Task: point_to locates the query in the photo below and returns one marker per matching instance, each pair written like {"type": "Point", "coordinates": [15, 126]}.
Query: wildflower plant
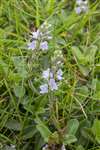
{"type": "Point", "coordinates": [39, 41]}
{"type": "Point", "coordinates": [49, 75]}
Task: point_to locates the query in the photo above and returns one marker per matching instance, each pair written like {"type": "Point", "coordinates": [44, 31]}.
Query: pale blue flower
{"type": "Point", "coordinates": [53, 85]}
{"type": "Point", "coordinates": [44, 45]}
{"type": "Point", "coordinates": [32, 45]}
{"type": "Point", "coordinates": [59, 74]}
{"type": "Point", "coordinates": [36, 35]}
{"type": "Point", "coordinates": [46, 74]}
{"type": "Point", "coordinates": [44, 89]}
{"type": "Point", "coordinates": [51, 74]}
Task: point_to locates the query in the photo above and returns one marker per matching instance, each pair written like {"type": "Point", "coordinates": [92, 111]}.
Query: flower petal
{"type": "Point", "coordinates": [59, 74]}
{"type": "Point", "coordinates": [32, 45]}
{"type": "Point", "coordinates": [44, 89]}
{"type": "Point", "coordinates": [53, 85]}
{"type": "Point", "coordinates": [44, 45]}
{"type": "Point", "coordinates": [46, 74]}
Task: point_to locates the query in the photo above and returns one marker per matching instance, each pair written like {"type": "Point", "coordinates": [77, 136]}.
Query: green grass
{"type": "Point", "coordinates": [70, 115]}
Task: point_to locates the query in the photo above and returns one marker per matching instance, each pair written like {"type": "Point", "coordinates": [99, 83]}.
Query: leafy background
{"type": "Point", "coordinates": [70, 116]}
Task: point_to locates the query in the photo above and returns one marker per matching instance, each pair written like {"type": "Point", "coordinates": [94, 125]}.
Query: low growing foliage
{"type": "Point", "coordinates": [49, 75]}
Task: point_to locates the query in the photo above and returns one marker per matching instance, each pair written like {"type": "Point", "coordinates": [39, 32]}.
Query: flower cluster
{"type": "Point", "coordinates": [49, 77]}
{"type": "Point", "coordinates": [81, 6]}
{"type": "Point", "coordinates": [40, 38]}
{"type": "Point", "coordinates": [57, 59]}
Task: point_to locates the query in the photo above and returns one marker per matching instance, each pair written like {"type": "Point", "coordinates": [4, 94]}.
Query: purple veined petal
{"type": "Point", "coordinates": [78, 10]}
{"type": "Point", "coordinates": [53, 85]}
{"type": "Point", "coordinates": [59, 74]}
{"type": "Point", "coordinates": [32, 45]}
{"type": "Point", "coordinates": [46, 74]}
{"type": "Point", "coordinates": [44, 45]}
{"type": "Point", "coordinates": [44, 89]}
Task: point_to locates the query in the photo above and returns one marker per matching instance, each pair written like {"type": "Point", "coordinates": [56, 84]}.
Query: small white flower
{"type": "Point", "coordinates": [63, 147]}
{"type": "Point", "coordinates": [45, 147]}
{"type": "Point", "coordinates": [59, 62]}
{"type": "Point", "coordinates": [49, 37]}
{"type": "Point", "coordinates": [44, 45]}
{"type": "Point", "coordinates": [32, 45]}
{"type": "Point", "coordinates": [59, 74]}
{"type": "Point", "coordinates": [49, 25]}
{"type": "Point", "coordinates": [13, 146]}
{"type": "Point", "coordinates": [44, 89]}
{"type": "Point", "coordinates": [85, 2]}
{"type": "Point", "coordinates": [53, 85]}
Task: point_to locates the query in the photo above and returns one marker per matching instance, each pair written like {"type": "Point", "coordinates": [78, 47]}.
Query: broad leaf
{"type": "Point", "coordinates": [80, 147]}
{"type": "Point", "coordinates": [29, 132]}
{"type": "Point", "coordinates": [78, 54]}
{"type": "Point", "coordinates": [43, 129]}
{"type": "Point", "coordinates": [96, 130]}
{"type": "Point", "coordinates": [19, 91]}
{"type": "Point", "coordinates": [13, 124]}
{"type": "Point", "coordinates": [72, 126]}
{"type": "Point", "coordinates": [68, 139]}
